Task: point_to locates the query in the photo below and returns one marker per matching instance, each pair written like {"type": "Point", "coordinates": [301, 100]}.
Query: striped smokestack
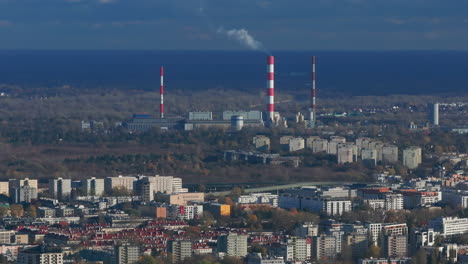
{"type": "Point", "coordinates": [161, 92]}
{"type": "Point", "coordinates": [270, 87]}
{"type": "Point", "coordinates": [314, 112]}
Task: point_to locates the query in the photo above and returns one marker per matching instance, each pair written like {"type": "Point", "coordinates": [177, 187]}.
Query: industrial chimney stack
{"type": "Point", "coordinates": [313, 110]}
{"type": "Point", "coordinates": [161, 92]}
{"type": "Point", "coordinates": [270, 88]}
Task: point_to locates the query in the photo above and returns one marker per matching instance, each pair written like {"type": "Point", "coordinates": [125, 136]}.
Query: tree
{"type": "Point", "coordinates": [16, 210]}
{"type": "Point", "coordinates": [3, 211]}
{"type": "Point", "coordinates": [373, 252]}
{"type": "Point", "coordinates": [31, 211]}
{"type": "Point", "coordinates": [420, 257]}
{"type": "Point", "coordinates": [231, 260]}
{"type": "Point", "coordinates": [147, 260]}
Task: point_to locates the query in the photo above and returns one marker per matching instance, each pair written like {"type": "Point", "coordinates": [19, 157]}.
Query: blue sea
{"type": "Point", "coordinates": [338, 72]}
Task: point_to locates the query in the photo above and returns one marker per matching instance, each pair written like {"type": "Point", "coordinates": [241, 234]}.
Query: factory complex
{"type": "Point", "coordinates": [232, 120]}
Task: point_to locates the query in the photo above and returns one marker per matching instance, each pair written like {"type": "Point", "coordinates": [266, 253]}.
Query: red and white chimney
{"type": "Point", "coordinates": [161, 92]}
{"type": "Point", "coordinates": [270, 88]}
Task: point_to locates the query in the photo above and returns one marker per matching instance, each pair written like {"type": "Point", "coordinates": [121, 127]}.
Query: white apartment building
{"type": "Point", "coordinates": [93, 186]}
{"type": "Point", "coordinates": [60, 188]}
{"type": "Point", "coordinates": [259, 198]}
{"type": "Point", "coordinates": [184, 212]}
{"type": "Point", "coordinates": [375, 204]}
{"type": "Point", "coordinates": [17, 183]}
{"type": "Point", "coordinates": [298, 249]}
{"type": "Point", "coordinates": [166, 184]}
{"type": "Point", "coordinates": [448, 226]}
{"type": "Point", "coordinates": [296, 144]}
{"type": "Point", "coordinates": [393, 201]}
{"type": "Point", "coordinates": [412, 157]}
{"type": "Point", "coordinates": [119, 182]}
{"type": "Point", "coordinates": [390, 154]}
{"type": "Point", "coordinates": [374, 231]}
{"type": "Point", "coordinates": [36, 256]}
{"type": "Point", "coordinates": [319, 145]}
{"type": "Point", "coordinates": [333, 144]}
{"type": "Point", "coordinates": [369, 155]}
{"type": "Point", "coordinates": [345, 154]}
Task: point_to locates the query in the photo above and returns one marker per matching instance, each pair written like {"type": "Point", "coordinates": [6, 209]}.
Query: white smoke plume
{"type": "Point", "coordinates": [242, 36]}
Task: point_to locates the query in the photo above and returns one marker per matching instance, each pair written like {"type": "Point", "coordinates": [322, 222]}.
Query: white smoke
{"type": "Point", "coordinates": [242, 36]}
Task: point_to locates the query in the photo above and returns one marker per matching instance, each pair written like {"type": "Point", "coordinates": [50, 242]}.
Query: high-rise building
{"type": "Point", "coordinates": [298, 249]}
{"type": "Point", "coordinates": [93, 186]}
{"type": "Point", "coordinates": [22, 194]}
{"type": "Point", "coordinates": [345, 154]}
{"type": "Point", "coordinates": [369, 156]}
{"type": "Point", "coordinates": [126, 254]}
{"type": "Point", "coordinates": [395, 246]}
{"type": "Point", "coordinates": [125, 182]}
{"type": "Point", "coordinates": [333, 144]}
{"type": "Point", "coordinates": [390, 154]}
{"type": "Point", "coordinates": [393, 201]}
{"type": "Point", "coordinates": [179, 249]}
{"type": "Point", "coordinates": [16, 183]}
{"type": "Point", "coordinates": [40, 255]}
{"type": "Point", "coordinates": [326, 247]}
{"type": "Point", "coordinates": [233, 245]}
{"type": "Point", "coordinates": [319, 145]}
{"type": "Point", "coordinates": [60, 188]}
{"type": "Point", "coordinates": [160, 184]}
{"type": "Point", "coordinates": [394, 240]}
{"type": "Point", "coordinates": [412, 157]}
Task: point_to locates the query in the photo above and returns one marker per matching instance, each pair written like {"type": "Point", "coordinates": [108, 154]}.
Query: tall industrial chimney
{"type": "Point", "coordinates": [161, 92]}
{"type": "Point", "coordinates": [313, 110]}
{"type": "Point", "coordinates": [435, 115]}
{"type": "Point", "coordinates": [270, 88]}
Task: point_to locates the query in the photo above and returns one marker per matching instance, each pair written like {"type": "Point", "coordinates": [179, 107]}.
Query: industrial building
{"type": "Point", "coordinates": [233, 120]}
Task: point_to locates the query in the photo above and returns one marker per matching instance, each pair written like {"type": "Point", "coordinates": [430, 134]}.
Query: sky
{"type": "Point", "coordinates": [234, 24]}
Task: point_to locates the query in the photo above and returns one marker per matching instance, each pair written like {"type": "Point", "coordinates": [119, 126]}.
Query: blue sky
{"type": "Point", "coordinates": [203, 24]}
